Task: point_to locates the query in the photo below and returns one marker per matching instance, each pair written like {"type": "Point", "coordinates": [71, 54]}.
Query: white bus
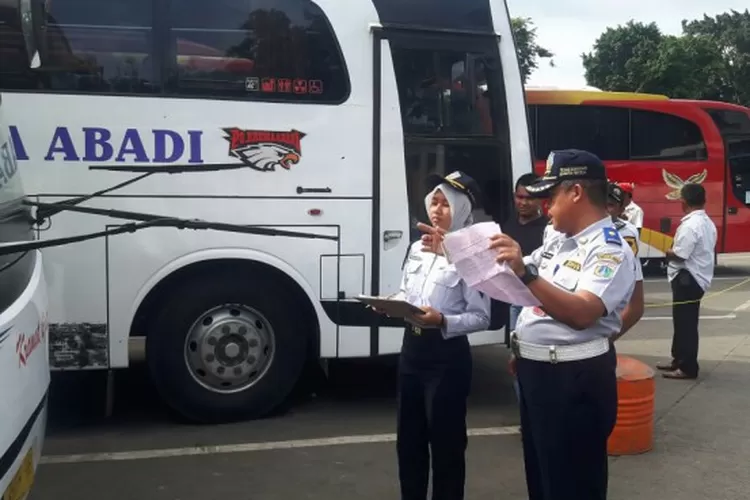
{"type": "Point", "coordinates": [324, 115]}
{"type": "Point", "coordinates": [24, 358]}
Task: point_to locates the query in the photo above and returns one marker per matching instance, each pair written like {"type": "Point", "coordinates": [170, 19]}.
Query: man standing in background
{"type": "Point", "coordinates": [633, 213]}
{"type": "Point", "coordinates": [526, 226]}
{"type": "Point", "coordinates": [690, 272]}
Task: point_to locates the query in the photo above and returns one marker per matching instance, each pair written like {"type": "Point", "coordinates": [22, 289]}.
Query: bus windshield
{"type": "Point", "coordinates": [10, 182]}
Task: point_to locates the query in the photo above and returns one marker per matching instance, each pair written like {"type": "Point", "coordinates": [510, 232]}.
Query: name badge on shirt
{"type": "Point", "coordinates": [576, 266]}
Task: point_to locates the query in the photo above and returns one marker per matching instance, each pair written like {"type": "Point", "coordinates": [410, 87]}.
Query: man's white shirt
{"type": "Point", "coordinates": [634, 214]}
{"type": "Point", "coordinates": [695, 242]}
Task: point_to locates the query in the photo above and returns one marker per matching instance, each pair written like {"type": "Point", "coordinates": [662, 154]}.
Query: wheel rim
{"type": "Point", "coordinates": [229, 348]}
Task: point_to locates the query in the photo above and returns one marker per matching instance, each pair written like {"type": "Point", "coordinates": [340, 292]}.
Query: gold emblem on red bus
{"type": "Point", "coordinates": [675, 182]}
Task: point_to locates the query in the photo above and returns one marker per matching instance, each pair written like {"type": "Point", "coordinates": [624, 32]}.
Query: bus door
{"type": "Point", "coordinates": [737, 215]}
{"type": "Point", "coordinates": [439, 106]}
{"type": "Point", "coordinates": [734, 127]}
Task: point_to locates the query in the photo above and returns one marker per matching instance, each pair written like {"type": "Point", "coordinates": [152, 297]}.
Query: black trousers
{"type": "Point", "coordinates": [434, 383]}
{"type": "Point", "coordinates": [685, 318]}
{"type": "Point", "coordinates": [568, 411]}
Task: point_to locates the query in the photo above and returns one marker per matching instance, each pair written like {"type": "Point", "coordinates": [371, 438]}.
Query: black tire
{"type": "Point", "coordinates": [165, 345]}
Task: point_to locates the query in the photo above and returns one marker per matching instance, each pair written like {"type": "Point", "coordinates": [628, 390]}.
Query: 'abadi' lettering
{"type": "Point", "coordinates": [100, 146]}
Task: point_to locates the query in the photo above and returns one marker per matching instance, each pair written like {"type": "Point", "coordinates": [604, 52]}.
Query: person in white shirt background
{"type": "Point", "coordinates": [690, 271]}
{"type": "Point", "coordinates": [632, 213]}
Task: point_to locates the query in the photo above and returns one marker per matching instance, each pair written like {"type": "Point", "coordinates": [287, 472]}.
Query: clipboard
{"type": "Point", "coordinates": [393, 308]}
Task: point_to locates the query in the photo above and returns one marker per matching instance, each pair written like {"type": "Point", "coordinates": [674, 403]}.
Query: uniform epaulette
{"type": "Point", "coordinates": [612, 236]}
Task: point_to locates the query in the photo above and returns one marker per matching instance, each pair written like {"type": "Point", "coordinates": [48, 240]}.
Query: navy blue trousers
{"type": "Point", "coordinates": [568, 411]}
{"type": "Point", "coordinates": [434, 382]}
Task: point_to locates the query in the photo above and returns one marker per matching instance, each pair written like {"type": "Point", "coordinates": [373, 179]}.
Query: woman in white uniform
{"type": "Point", "coordinates": [435, 362]}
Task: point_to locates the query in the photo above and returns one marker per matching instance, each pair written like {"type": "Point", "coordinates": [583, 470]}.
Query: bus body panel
{"type": "Point", "coordinates": [657, 181]}
{"type": "Point", "coordinates": [343, 166]}
{"type": "Point", "coordinates": [25, 379]}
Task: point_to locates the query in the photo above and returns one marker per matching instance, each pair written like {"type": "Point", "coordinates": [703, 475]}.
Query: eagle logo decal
{"type": "Point", "coordinates": [265, 150]}
{"type": "Point", "coordinates": [675, 182]}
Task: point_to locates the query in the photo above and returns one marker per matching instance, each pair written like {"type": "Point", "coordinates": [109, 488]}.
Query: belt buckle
{"type": "Point", "coordinates": [514, 347]}
{"type": "Point", "coordinates": [417, 330]}
{"type": "Point", "coordinates": [553, 354]}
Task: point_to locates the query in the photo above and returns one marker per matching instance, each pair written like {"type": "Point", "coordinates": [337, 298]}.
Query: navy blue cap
{"type": "Point", "coordinates": [615, 193]}
{"type": "Point", "coordinates": [459, 181]}
{"type": "Point", "coordinates": [567, 165]}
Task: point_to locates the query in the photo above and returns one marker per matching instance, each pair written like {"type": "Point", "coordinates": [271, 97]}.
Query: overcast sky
{"type": "Point", "coordinates": [570, 27]}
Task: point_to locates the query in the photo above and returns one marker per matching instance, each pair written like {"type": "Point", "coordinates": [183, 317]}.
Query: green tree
{"type": "Point", "coordinates": [710, 60]}
{"type": "Point", "coordinates": [731, 33]}
{"type": "Point", "coordinates": [621, 56]}
{"type": "Point", "coordinates": [528, 50]}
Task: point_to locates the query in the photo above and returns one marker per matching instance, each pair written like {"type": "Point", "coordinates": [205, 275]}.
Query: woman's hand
{"type": "Point", "coordinates": [379, 311]}
{"type": "Point", "coordinates": [431, 318]}
{"type": "Point", "coordinates": [432, 239]}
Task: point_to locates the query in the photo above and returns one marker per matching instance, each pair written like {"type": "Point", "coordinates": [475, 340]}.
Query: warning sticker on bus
{"type": "Point", "coordinates": [265, 150]}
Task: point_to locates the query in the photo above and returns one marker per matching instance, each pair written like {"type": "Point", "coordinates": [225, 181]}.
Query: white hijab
{"type": "Point", "coordinates": [459, 203]}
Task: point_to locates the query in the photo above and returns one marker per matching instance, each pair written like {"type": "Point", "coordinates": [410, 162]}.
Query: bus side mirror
{"type": "Point", "coordinates": [665, 225]}
{"type": "Point", "coordinates": [34, 26]}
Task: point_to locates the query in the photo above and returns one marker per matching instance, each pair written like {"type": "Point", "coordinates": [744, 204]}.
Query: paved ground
{"type": "Point", "coordinates": [339, 443]}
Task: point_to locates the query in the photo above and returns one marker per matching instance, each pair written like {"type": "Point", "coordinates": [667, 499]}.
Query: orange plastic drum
{"type": "Point", "coordinates": [634, 430]}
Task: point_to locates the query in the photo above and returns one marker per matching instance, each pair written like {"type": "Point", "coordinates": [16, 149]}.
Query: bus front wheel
{"type": "Point", "coordinates": [226, 348]}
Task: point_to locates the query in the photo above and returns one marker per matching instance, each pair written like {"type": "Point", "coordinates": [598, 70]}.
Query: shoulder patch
{"type": "Point", "coordinates": [608, 257]}
{"type": "Point", "coordinates": [632, 243]}
{"type": "Point", "coordinates": [612, 236]}
{"type": "Point", "coordinates": [605, 271]}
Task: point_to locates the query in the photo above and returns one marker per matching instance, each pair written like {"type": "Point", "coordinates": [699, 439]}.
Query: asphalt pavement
{"type": "Point", "coordinates": [339, 441]}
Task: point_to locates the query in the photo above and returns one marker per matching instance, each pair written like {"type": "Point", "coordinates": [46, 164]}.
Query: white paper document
{"type": "Point", "coordinates": [468, 249]}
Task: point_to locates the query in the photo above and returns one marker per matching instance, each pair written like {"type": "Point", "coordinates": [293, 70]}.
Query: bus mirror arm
{"type": "Point", "coordinates": [147, 221]}
{"type": "Point", "coordinates": [43, 214]}
{"type": "Point", "coordinates": [51, 209]}
{"type": "Point", "coordinates": [132, 227]}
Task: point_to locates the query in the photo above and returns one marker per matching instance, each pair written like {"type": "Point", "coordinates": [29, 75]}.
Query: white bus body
{"type": "Point", "coordinates": [337, 110]}
{"type": "Point", "coordinates": [24, 349]}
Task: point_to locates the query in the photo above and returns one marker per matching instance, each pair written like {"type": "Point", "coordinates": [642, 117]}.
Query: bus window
{"type": "Point", "coordinates": [659, 136]}
{"type": "Point", "coordinates": [451, 117]}
{"type": "Point", "coordinates": [258, 49]}
{"type": "Point", "coordinates": [599, 129]}
{"type": "Point", "coordinates": [443, 92]}
{"type": "Point", "coordinates": [15, 72]}
{"type": "Point", "coordinates": [98, 47]}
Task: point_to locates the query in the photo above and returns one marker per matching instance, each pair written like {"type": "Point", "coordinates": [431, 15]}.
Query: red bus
{"type": "Point", "coordinates": [658, 144]}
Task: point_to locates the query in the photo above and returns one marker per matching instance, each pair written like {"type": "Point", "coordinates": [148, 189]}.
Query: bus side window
{"type": "Point", "coordinates": [257, 50]}
{"type": "Point", "coordinates": [600, 129]}
{"type": "Point", "coordinates": [659, 136]}
{"type": "Point", "coordinates": [94, 46]}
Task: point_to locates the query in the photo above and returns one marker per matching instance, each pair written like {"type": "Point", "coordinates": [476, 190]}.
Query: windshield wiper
{"type": "Point", "coordinates": [150, 221]}
{"type": "Point", "coordinates": [149, 171]}
{"type": "Point", "coordinates": [186, 223]}
{"type": "Point", "coordinates": [171, 169]}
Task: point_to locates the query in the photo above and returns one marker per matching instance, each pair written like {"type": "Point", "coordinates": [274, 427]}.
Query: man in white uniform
{"type": "Point", "coordinates": [690, 272]}
{"type": "Point", "coordinates": [633, 213]}
{"type": "Point", "coordinates": [615, 206]}
{"type": "Point", "coordinates": [564, 355]}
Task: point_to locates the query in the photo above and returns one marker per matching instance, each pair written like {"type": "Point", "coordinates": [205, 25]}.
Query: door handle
{"type": "Point", "coordinates": [301, 190]}
{"type": "Point", "coordinates": [732, 210]}
{"type": "Point", "coordinates": [392, 235]}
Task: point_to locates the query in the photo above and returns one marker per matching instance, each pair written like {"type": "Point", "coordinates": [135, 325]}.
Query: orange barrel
{"type": "Point", "coordinates": [634, 430]}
